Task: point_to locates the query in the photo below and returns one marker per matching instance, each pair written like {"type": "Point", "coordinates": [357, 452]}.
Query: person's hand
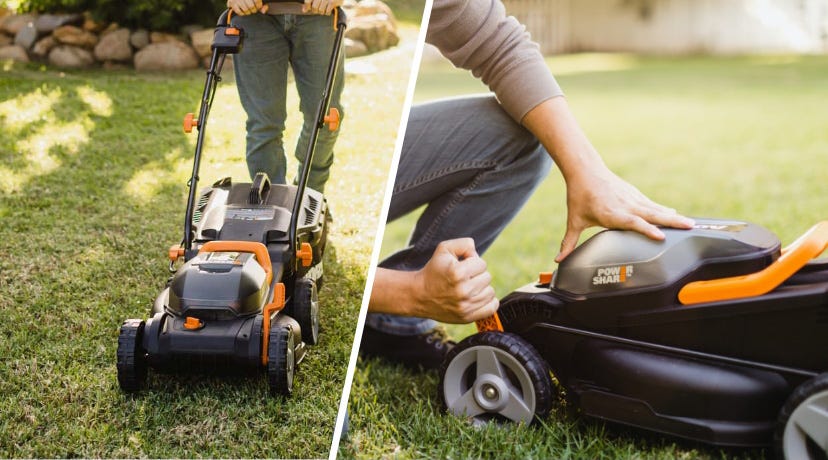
{"type": "Point", "coordinates": [245, 7]}
{"type": "Point", "coordinates": [320, 6]}
{"type": "Point", "coordinates": [594, 194]}
{"type": "Point", "coordinates": [454, 286]}
{"type": "Point", "coordinates": [599, 197]}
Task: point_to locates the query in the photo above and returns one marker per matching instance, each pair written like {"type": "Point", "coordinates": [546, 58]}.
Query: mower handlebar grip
{"type": "Point", "coordinates": [257, 249]}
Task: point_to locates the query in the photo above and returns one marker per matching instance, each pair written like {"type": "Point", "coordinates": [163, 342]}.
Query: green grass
{"type": "Point", "coordinates": [740, 138]}
{"type": "Point", "coordinates": [93, 172]}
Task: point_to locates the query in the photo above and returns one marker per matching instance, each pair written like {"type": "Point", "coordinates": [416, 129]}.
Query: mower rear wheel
{"type": "Point", "coordinates": [495, 376]}
{"type": "Point", "coordinates": [280, 361]}
{"type": "Point", "coordinates": [306, 309]}
{"type": "Point", "coordinates": [802, 428]}
{"type": "Point", "coordinates": [132, 358]}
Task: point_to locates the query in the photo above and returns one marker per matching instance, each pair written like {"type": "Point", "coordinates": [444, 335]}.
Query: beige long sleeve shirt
{"type": "Point", "coordinates": [477, 35]}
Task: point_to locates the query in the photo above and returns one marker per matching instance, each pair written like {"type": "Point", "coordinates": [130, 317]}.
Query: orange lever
{"type": "Point", "coordinates": [189, 122]}
{"type": "Point", "coordinates": [492, 323]}
{"type": "Point", "coordinates": [262, 256]}
{"type": "Point", "coordinates": [332, 119]}
{"type": "Point", "coordinates": [305, 254]}
{"type": "Point", "coordinates": [192, 323]}
{"type": "Point", "coordinates": [175, 252]}
{"type": "Point", "coordinates": [271, 308]}
{"type": "Point", "coordinates": [794, 257]}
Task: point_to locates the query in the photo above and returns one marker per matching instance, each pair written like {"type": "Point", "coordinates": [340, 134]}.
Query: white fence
{"type": "Point", "coordinates": [676, 26]}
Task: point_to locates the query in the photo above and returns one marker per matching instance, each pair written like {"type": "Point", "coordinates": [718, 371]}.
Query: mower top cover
{"type": "Point", "coordinates": [615, 261]}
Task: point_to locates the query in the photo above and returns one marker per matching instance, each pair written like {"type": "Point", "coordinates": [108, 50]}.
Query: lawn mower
{"type": "Point", "coordinates": [245, 297]}
{"type": "Point", "coordinates": [715, 334]}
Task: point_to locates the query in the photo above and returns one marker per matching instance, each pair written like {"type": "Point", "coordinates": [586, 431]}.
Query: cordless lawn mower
{"type": "Point", "coordinates": [715, 334]}
{"type": "Point", "coordinates": [245, 297]}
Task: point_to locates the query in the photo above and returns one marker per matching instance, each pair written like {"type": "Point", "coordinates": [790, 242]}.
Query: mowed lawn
{"type": "Point", "coordinates": [741, 138]}
{"type": "Point", "coordinates": [93, 173]}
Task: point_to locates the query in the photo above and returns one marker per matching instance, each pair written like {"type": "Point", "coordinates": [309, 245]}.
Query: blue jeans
{"type": "Point", "coordinates": [474, 167]}
{"type": "Point", "coordinates": [271, 45]}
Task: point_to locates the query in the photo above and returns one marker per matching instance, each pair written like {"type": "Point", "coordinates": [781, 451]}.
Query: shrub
{"type": "Point", "coordinates": [151, 14]}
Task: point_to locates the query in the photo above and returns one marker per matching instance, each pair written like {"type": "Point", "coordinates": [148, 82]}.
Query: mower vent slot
{"type": "Point", "coordinates": [310, 210]}
{"type": "Point", "coordinates": [202, 203]}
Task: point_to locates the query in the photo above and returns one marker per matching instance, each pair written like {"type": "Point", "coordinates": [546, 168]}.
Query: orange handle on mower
{"type": "Point", "coordinates": [793, 257]}
{"type": "Point", "coordinates": [258, 249]}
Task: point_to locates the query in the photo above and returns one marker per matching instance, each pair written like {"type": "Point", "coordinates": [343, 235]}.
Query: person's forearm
{"type": "Point", "coordinates": [393, 293]}
{"type": "Point", "coordinates": [556, 128]}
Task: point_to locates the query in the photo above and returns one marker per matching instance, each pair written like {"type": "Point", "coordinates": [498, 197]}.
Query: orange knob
{"type": "Point", "coordinates": [305, 254]}
{"type": "Point", "coordinates": [175, 252]}
{"type": "Point", "coordinates": [332, 119]}
{"type": "Point", "coordinates": [189, 122]}
{"type": "Point", "coordinates": [192, 324]}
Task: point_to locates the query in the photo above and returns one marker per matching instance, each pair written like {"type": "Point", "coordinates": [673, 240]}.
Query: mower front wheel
{"type": "Point", "coordinates": [495, 376]}
{"type": "Point", "coordinates": [132, 359]}
{"type": "Point", "coordinates": [802, 428]}
{"type": "Point", "coordinates": [280, 361]}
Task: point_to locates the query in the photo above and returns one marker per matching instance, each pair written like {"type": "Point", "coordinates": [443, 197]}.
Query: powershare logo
{"type": "Point", "coordinates": [612, 275]}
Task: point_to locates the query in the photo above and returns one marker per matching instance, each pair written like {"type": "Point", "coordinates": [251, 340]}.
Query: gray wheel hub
{"type": "Point", "coordinates": [499, 385]}
{"type": "Point", "coordinates": [808, 421]}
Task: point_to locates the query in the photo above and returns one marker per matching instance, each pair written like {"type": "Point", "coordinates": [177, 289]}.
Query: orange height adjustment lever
{"type": "Point", "coordinates": [793, 257]}
{"type": "Point", "coordinates": [332, 119]}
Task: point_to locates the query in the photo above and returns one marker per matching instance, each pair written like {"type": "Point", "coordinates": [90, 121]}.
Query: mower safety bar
{"type": "Point", "coordinates": [793, 258]}
{"type": "Point", "coordinates": [258, 249]}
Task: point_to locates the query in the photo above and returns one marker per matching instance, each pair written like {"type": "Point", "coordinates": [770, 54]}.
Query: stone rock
{"type": "Point", "coordinates": [12, 24]}
{"type": "Point", "coordinates": [91, 25]}
{"type": "Point", "coordinates": [188, 29]}
{"type": "Point", "coordinates": [162, 37]}
{"type": "Point", "coordinates": [43, 46]}
{"type": "Point", "coordinates": [139, 39]}
{"type": "Point", "coordinates": [202, 40]}
{"type": "Point", "coordinates": [371, 7]}
{"type": "Point", "coordinates": [377, 31]}
{"type": "Point", "coordinates": [71, 35]}
{"type": "Point", "coordinates": [71, 56]}
{"type": "Point", "coordinates": [26, 37]}
{"type": "Point", "coordinates": [13, 52]}
{"type": "Point", "coordinates": [173, 55]}
{"type": "Point", "coordinates": [110, 28]}
{"type": "Point", "coordinates": [354, 48]}
{"type": "Point", "coordinates": [46, 23]}
{"type": "Point", "coordinates": [5, 40]}
{"type": "Point", "coordinates": [114, 46]}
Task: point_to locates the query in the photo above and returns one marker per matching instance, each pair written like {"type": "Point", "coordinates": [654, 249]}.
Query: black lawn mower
{"type": "Point", "coordinates": [245, 298]}
{"type": "Point", "coordinates": [715, 334]}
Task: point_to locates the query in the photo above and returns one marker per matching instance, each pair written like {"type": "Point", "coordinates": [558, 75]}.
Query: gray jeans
{"type": "Point", "coordinates": [272, 44]}
{"type": "Point", "coordinates": [474, 167]}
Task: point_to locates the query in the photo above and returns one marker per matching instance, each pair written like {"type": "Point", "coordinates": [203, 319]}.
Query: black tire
{"type": "Point", "coordinates": [305, 310]}
{"type": "Point", "coordinates": [518, 388]}
{"type": "Point", "coordinates": [132, 358]}
{"type": "Point", "coordinates": [792, 443]}
{"type": "Point", "coordinates": [280, 361]}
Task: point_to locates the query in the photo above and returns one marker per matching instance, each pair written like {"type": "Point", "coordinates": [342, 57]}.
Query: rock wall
{"type": "Point", "coordinates": [77, 41]}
